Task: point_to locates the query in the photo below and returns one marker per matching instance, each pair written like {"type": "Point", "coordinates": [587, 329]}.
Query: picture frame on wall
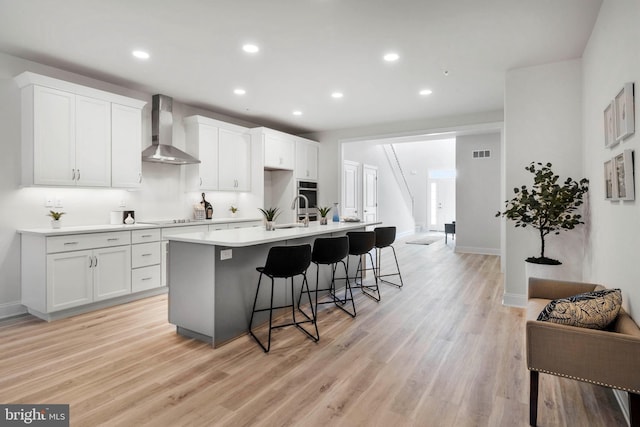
{"type": "Point", "coordinates": [623, 175]}
{"type": "Point", "coordinates": [624, 112]}
{"type": "Point", "coordinates": [609, 182]}
{"type": "Point", "coordinates": [610, 126]}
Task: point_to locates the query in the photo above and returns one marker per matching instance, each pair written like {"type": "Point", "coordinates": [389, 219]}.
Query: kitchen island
{"type": "Point", "coordinates": [212, 276]}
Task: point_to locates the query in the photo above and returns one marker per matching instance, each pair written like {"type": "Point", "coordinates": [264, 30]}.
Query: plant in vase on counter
{"type": "Point", "coordinates": [270, 216]}
{"type": "Point", "coordinates": [324, 211]}
{"type": "Point", "coordinates": [234, 210]}
{"type": "Point", "coordinates": [55, 218]}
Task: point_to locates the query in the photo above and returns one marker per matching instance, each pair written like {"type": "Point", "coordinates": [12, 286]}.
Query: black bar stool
{"type": "Point", "coordinates": [286, 262]}
{"type": "Point", "coordinates": [360, 244]}
{"type": "Point", "coordinates": [385, 236]}
{"type": "Point", "coordinates": [332, 251]}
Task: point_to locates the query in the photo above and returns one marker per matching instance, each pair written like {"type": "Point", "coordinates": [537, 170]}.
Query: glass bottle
{"type": "Point", "coordinates": [336, 213]}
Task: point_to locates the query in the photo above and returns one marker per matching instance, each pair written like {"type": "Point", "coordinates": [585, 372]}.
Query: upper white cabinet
{"type": "Point", "coordinates": [279, 149]}
{"type": "Point", "coordinates": [126, 146]}
{"type": "Point", "coordinates": [69, 133]}
{"type": "Point", "coordinates": [306, 159]}
{"type": "Point", "coordinates": [224, 151]}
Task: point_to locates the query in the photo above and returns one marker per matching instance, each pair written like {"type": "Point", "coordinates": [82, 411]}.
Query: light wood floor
{"type": "Point", "coordinates": [442, 351]}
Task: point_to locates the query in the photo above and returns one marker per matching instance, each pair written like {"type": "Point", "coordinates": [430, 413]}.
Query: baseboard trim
{"type": "Point", "coordinates": [514, 300]}
{"type": "Point", "coordinates": [11, 309]}
{"type": "Point", "coordinates": [478, 251]}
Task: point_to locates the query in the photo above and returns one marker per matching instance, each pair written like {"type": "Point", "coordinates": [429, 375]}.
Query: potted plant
{"type": "Point", "coordinates": [234, 210]}
{"type": "Point", "coordinates": [55, 218]}
{"type": "Point", "coordinates": [323, 214]}
{"type": "Point", "coordinates": [270, 216]}
{"type": "Point", "coordinates": [547, 206]}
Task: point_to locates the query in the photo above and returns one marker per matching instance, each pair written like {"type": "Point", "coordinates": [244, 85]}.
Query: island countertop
{"type": "Point", "coordinates": [242, 237]}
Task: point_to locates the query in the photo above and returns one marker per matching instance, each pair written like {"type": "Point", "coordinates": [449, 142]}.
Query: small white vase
{"type": "Point", "coordinates": [269, 226]}
{"type": "Point", "coordinates": [56, 223]}
{"type": "Point", "coordinates": [323, 220]}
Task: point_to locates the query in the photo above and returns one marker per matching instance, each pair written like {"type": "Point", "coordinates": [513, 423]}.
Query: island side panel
{"type": "Point", "coordinates": [191, 282]}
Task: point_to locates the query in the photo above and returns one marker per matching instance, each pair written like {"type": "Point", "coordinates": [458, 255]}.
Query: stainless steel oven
{"type": "Point", "coordinates": [309, 189]}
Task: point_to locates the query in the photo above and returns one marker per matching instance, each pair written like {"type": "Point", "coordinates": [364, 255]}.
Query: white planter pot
{"type": "Point", "coordinates": [56, 223]}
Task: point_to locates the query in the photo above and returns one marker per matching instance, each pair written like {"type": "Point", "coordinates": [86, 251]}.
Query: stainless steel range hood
{"type": "Point", "coordinates": [161, 149]}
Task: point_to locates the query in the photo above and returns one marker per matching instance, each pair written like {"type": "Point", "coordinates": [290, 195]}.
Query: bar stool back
{"type": "Point", "coordinates": [360, 244]}
{"type": "Point", "coordinates": [385, 236]}
{"type": "Point", "coordinates": [285, 262]}
{"type": "Point", "coordinates": [332, 251]}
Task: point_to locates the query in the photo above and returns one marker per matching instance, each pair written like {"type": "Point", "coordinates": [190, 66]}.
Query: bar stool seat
{"type": "Point", "coordinates": [332, 251]}
{"type": "Point", "coordinates": [385, 236]}
{"type": "Point", "coordinates": [284, 262]}
{"type": "Point", "coordinates": [360, 244]}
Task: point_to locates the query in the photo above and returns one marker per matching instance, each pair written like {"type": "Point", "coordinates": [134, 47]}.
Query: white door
{"type": "Point", "coordinates": [111, 272]}
{"type": "Point", "coordinates": [441, 202]}
{"type": "Point", "coordinates": [350, 189]}
{"type": "Point", "coordinates": [93, 142]}
{"type": "Point", "coordinates": [370, 192]}
{"type": "Point", "coordinates": [69, 279]}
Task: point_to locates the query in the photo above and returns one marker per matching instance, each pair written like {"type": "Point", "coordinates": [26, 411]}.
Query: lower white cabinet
{"type": "Point", "coordinates": [146, 258]}
{"type": "Point", "coordinates": [69, 280]}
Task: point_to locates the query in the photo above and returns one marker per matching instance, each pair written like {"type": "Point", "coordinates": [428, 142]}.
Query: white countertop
{"type": "Point", "coordinates": [141, 225]}
{"type": "Point", "coordinates": [240, 237]}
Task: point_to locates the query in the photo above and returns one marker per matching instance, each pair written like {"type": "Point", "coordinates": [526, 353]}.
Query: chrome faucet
{"type": "Point", "coordinates": [306, 205]}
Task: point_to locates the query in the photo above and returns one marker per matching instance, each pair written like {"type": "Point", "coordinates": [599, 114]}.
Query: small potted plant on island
{"type": "Point", "coordinates": [324, 211]}
{"type": "Point", "coordinates": [234, 210]}
{"type": "Point", "coordinates": [55, 218]}
{"type": "Point", "coordinates": [270, 216]}
{"type": "Point", "coordinates": [547, 206]}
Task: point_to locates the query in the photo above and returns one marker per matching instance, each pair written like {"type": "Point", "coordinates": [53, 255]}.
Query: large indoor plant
{"type": "Point", "coordinates": [547, 206]}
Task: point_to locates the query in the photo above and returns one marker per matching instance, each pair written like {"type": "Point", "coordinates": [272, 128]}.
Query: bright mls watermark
{"type": "Point", "coordinates": [34, 415]}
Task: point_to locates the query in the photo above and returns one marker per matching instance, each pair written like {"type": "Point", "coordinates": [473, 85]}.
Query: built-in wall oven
{"type": "Point", "coordinates": [309, 189]}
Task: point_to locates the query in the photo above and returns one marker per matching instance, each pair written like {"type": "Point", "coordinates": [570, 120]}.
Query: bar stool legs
{"type": "Point", "coordinates": [348, 294]}
{"type": "Point", "coordinates": [385, 236]}
{"type": "Point", "coordinates": [285, 262]}
{"type": "Point", "coordinates": [360, 244]}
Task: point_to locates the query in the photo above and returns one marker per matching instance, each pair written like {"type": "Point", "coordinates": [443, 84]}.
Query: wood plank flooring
{"type": "Point", "coordinates": [442, 351]}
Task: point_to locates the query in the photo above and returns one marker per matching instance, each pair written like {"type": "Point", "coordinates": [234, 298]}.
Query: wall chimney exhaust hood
{"type": "Point", "coordinates": [161, 149]}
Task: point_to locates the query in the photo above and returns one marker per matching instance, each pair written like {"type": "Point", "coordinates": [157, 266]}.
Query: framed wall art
{"type": "Point", "coordinates": [623, 175]}
{"type": "Point", "coordinates": [624, 112]}
{"type": "Point", "coordinates": [608, 180]}
{"type": "Point", "coordinates": [610, 125]}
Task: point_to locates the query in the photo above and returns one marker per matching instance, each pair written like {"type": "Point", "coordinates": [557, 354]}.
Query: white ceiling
{"type": "Point", "coordinates": [309, 48]}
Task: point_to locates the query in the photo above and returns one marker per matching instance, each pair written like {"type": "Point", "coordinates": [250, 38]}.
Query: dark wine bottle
{"type": "Point", "coordinates": [208, 208]}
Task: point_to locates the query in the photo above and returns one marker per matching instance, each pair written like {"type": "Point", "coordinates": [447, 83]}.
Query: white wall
{"type": "Point", "coordinates": [610, 60]}
{"type": "Point", "coordinates": [163, 194]}
{"type": "Point", "coordinates": [478, 194]}
{"type": "Point", "coordinates": [543, 123]}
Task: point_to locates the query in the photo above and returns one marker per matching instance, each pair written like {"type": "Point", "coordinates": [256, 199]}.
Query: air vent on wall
{"type": "Point", "coordinates": [481, 154]}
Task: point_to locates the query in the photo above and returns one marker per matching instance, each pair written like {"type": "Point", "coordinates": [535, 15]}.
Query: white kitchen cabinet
{"type": "Point", "coordinates": [111, 272]}
{"type": "Point", "coordinates": [202, 139]}
{"type": "Point", "coordinates": [234, 150]}
{"type": "Point", "coordinates": [146, 258]}
{"type": "Point", "coordinates": [69, 280]}
{"type": "Point", "coordinates": [279, 152]}
{"type": "Point", "coordinates": [126, 146]}
{"type": "Point", "coordinates": [306, 160]}
{"type": "Point", "coordinates": [67, 133]}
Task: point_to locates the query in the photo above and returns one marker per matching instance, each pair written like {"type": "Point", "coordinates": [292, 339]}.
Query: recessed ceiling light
{"type": "Point", "coordinates": [141, 54]}
{"type": "Point", "coordinates": [250, 48]}
{"type": "Point", "coordinates": [297, 113]}
{"type": "Point", "coordinates": [239, 91]}
{"type": "Point", "coordinates": [425, 92]}
{"type": "Point", "coordinates": [391, 57]}
{"type": "Point", "coordinates": [337, 95]}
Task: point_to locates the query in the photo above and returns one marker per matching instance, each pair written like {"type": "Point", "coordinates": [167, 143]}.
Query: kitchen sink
{"type": "Point", "coordinates": [289, 225]}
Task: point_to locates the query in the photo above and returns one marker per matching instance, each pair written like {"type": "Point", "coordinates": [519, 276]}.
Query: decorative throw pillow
{"type": "Point", "coordinates": [594, 310]}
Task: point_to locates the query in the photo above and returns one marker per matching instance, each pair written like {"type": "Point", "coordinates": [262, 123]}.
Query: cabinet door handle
{"type": "Point", "coordinates": [139, 177]}
{"type": "Point", "coordinates": [96, 258]}
{"type": "Point", "coordinates": [90, 262]}
{"type": "Point", "coordinates": [200, 181]}
{"type": "Point", "coordinates": [147, 235]}
{"type": "Point", "coordinates": [147, 254]}
{"type": "Point", "coordinates": [73, 174]}
{"type": "Point", "coordinates": [113, 239]}
{"type": "Point", "coordinates": [146, 278]}
{"type": "Point", "coordinates": [70, 243]}
{"type": "Point", "coordinates": [78, 179]}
